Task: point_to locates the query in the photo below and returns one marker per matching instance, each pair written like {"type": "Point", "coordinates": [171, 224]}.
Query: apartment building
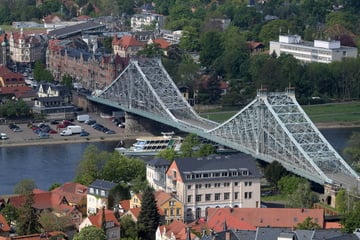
{"type": "Point", "coordinates": [143, 21]}
{"type": "Point", "coordinates": [156, 171]}
{"type": "Point", "coordinates": [318, 51]}
{"type": "Point", "coordinates": [97, 195]}
{"type": "Point", "coordinates": [216, 181]}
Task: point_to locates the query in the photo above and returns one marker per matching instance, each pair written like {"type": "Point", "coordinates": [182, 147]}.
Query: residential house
{"type": "Point", "coordinates": [267, 217]}
{"type": "Point", "coordinates": [144, 21]}
{"type": "Point", "coordinates": [162, 43]}
{"type": "Point", "coordinates": [176, 230]}
{"type": "Point", "coordinates": [75, 193]}
{"type": "Point", "coordinates": [50, 201]}
{"type": "Point", "coordinates": [133, 213]}
{"type": "Point", "coordinates": [13, 85]}
{"type": "Point", "coordinates": [135, 200]}
{"type": "Point", "coordinates": [223, 181]}
{"type": "Point", "coordinates": [98, 194]}
{"type": "Point", "coordinates": [4, 227]}
{"type": "Point", "coordinates": [92, 70]}
{"type": "Point", "coordinates": [171, 207]}
{"type": "Point", "coordinates": [52, 22]}
{"type": "Point", "coordinates": [38, 236]}
{"type": "Point", "coordinates": [255, 47]}
{"type": "Point", "coordinates": [126, 46]}
{"type": "Point", "coordinates": [27, 48]}
{"type": "Point", "coordinates": [54, 101]}
{"type": "Point", "coordinates": [318, 51]}
{"type": "Point", "coordinates": [156, 173]}
{"type": "Point", "coordinates": [112, 225]}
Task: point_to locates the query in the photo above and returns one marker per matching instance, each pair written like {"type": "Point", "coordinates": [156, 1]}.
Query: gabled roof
{"type": "Point", "coordinates": [162, 42]}
{"type": "Point", "coordinates": [178, 228]}
{"type": "Point", "coordinates": [19, 91]}
{"type": "Point", "coordinates": [42, 200]}
{"type": "Point", "coordinates": [125, 204]}
{"type": "Point", "coordinates": [103, 184]}
{"type": "Point", "coordinates": [270, 217]}
{"type": "Point", "coordinates": [218, 221]}
{"type": "Point", "coordinates": [134, 212]}
{"type": "Point", "coordinates": [127, 41]}
{"type": "Point", "coordinates": [74, 192]}
{"type": "Point", "coordinates": [37, 236]}
{"type": "Point", "coordinates": [96, 220]}
{"type": "Point", "coordinates": [162, 197]}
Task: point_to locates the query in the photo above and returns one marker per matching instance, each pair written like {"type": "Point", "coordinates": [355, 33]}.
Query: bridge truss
{"type": "Point", "coordinates": [272, 127]}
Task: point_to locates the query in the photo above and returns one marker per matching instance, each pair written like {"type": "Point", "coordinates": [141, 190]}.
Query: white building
{"type": "Point", "coordinates": [97, 195]}
{"type": "Point", "coordinates": [140, 22]}
{"type": "Point", "coordinates": [156, 172]}
{"type": "Point", "coordinates": [217, 181]}
{"type": "Point", "coordinates": [317, 51]}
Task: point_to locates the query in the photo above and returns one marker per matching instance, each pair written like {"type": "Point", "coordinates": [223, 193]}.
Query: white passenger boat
{"type": "Point", "coordinates": [152, 145]}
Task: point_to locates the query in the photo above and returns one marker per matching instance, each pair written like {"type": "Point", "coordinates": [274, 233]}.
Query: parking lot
{"type": "Point", "coordinates": [26, 135]}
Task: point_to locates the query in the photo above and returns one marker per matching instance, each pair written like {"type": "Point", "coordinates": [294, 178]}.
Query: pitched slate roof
{"type": "Point", "coordinates": [103, 184]}
{"type": "Point", "coordinates": [270, 233]}
{"type": "Point", "coordinates": [157, 162]}
{"type": "Point", "coordinates": [218, 162]}
{"type": "Point", "coordinates": [270, 217]}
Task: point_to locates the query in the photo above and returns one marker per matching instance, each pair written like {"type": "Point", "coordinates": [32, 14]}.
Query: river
{"type": "Point", "coordinates": [50, 164]}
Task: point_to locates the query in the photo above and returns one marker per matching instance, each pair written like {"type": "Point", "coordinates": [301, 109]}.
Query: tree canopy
{"type": "Point", "coordinates": [90, 232]}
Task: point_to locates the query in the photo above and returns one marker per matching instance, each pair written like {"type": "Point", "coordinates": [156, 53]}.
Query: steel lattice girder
{"type": "Point", "coordinates": [145, 85]}
{"type": "Point", "coordinates": [276, 127]}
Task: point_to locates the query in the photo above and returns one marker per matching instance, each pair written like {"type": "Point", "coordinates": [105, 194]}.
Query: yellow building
{"type": "Point", "coordinates": [170, 206]}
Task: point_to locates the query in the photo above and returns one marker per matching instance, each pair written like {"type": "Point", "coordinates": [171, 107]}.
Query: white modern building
{"type": "Point", "coordinates": [318, 51]}
{"type": "Point", "coordinates": [217, 181]}
{"type": "Point", "coordinates": [140, 22]}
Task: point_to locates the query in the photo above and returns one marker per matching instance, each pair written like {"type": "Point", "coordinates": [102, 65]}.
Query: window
{"type": "Point", "coordinates": [236, 195]}
{"type": "Point", "coordinates": [207, 197]}
{"type": "Point", "coordinates": [226, 184]}
{"type": "Point", "coordinates": [217, 185]}
{"type": "Point", "coordinates": [174, 174]}
{"type": "Point", "coordinates": [189, 198]}
{"type": "Point", "coordinates": [102, 193]}
{"type": "Point", "coordinates": [91, 190]}
{"type": "Point", "coordinates": [217, 196]}
{"type": "Point", "coordinates": [198, 197]}
{"type": "Point", "coordinates": [178, 211]}
{"type": "Point", "coordinates": [171, 203]}
{"type": "Point", "coordinates": [246, 183]}
{"type": "Point", "coordinates": [189, 186]}
{"type": "Point", "coordinates": [224, 174]}
{"type": "Point", "coordinates": [198, 213]}
{"type": "Point", "coordinates": [236, 183]}
{"type": "Point", "coordinates": [207, 185]}
{"type": "Point", "coordinates": [198, 186]}
{"type": "Point", "coordinates": [250, 184]}
{"type": "Point", "coordinates": [171, 212]}
{"type": "Point", "coordinates": [248, 195]}
{"type": "Point", "coordinates": [166, 211]}
{"type": "Point", "coordinates": [226, 196]}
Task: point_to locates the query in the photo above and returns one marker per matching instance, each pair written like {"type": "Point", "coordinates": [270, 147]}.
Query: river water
{"type": "Point", "coordinates": [50, 164]}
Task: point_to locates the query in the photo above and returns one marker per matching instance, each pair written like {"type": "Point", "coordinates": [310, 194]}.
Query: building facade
{"type": "Point", "coordinates": [214, 181]}
{"type": "Point", "coordinates": [143, 21]}
{"type": "Point", "coordinates": [97, 195]}
{"type": "Point", "coordinates": [92, 71]}
{"type": "Point", "coordinates": [126, 46]}
{"type": "Point", "coordinates": [156, 172]}
{"type": "Point", "coordinates": [318, 51]}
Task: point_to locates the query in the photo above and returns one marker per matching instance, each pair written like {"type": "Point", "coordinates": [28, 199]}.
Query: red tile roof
{"type": "Point", "coordinates": [135, 212]}
{"type": "Point", "coordinates": [4, 226]}
{"type": "Point", "coordinates": [333, 225]}
{"type": "Point", "coordinates": [96, 220]}
{"type": "Point", "coordinates": [218, 221]}
{"type": "Point", "coordinates": [125, 205]}
{"type": "Point", "coordinates": [73, 192]}
{"type": "Point", "coordinates": [178, 228]}
{"type": "Point", "coordinates": [162, 42]}
{"type": "Point", "coordinates": [269, 217]}
{"type": "Point", "coordinates": [127, 41]}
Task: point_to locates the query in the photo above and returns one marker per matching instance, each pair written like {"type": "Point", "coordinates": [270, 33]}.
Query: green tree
{"type": "Point", "coordinates": [27, 222]}
{"type": "Point", "coordinates": [190, 40]}
{"type": "Point", "coordinates": [128, 228]}
{"type": "Point", "coordinates": [211, 48]}
{"type": "Point", "coordinates": [91, 166]}
{"type": "Point", "coordinates": [270, 30]}
{"type": "Point", "coordinates": [90, 232]}
{"type": "Point", "coordinates": [289, 184]}
{"type": "Point", "coordinates": [10, 213]}
{"type": "Point", "coordinates": [308, 224]}
{"type": "Point", "coordinates": [51, 222]}
{"type": "Point", "coordinates": [41, 73]}
{"type": "Point", "coordinates": [108, 44]}
{"type": "Point", "coordinates": [274, 172]}
{"type": "Point", "coordinates": [353, 150]}
{"type": "Point", "coordinates": [187, 147]}
{"type": "Point", "coordinates": [169, 154]}
{"type": "Point", "coordinates": [303, 197]}
{"type": "Point", "coordinates": [205, 150]}
{"type": "Point", "coordinates": [67, 81]}
{"type": "Point", "coordinates": [351, 219]}
{"type": "Point", "coordinates": [53, 186]}
{"type": "Point", "coordinates": [25, 186]}
{"type": "Point", "coordinates": [341, 201]}
{"type": "Point", "coordinates": [117, 194]}
{"type": "Point", "coordinates": [149, 218]}
{"type": "Point", "coordinates": [151, 50]}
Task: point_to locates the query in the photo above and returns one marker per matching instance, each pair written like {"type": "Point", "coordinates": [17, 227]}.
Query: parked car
{"type": "Point", "coordinates": [90, 122]}
{"type": "Point", "coordinates": [84, 134]}
{"type": "Point", "coordinates": [17, 129]}
{"type": "Point", "coordinates": [54, 122]}
{"type": "Point", "coordinates": [110, 132]}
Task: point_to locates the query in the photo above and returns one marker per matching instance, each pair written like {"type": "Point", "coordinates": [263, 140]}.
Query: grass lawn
{"type": "Point", "coordinates": [323, 113]}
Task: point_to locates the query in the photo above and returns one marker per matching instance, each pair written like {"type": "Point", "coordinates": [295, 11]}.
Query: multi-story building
{"type": "Point", "coordinates": [317, 51]}
{"type": "Point", "coordinates": [97, 195]}
{"type": "Point", "coordinates": [156, 172]}
{"type": "Point", "coordinates": [126, 46]}
{"type": "Point", "coordinates": [214, 181]}
{"type": "Point", "coordinates": [170, 206]}
{"type": "Point", "coordinates": [143, 21]}
{"type": "Point", "coordinates": [91, 70]}
{"type": "Point", "coordinates": [26, 49]}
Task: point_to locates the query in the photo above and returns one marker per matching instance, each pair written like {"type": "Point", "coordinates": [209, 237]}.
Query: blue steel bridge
{"type": "Point", "coordinates": [272, 127]}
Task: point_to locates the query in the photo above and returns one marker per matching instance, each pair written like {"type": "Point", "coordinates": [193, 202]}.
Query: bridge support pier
{"type": "Point", "coordinates": [136, 124]}
{"type": "Point", "coordinates": [330, 192]}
